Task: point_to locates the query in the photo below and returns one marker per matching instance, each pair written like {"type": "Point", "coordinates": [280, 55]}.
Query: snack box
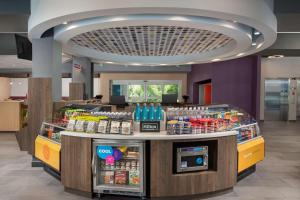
{"type": "Point", "coordinates": [134, 178]}
{"type": "Point", "coordinates": [121, 177]}
{"type": "Point", "coordinates": [108, 177]}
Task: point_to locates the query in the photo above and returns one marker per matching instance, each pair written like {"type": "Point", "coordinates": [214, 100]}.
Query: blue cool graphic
{"type": "Point", "coordinates": [199, 161]}
{"type": "Point", "coordinates": [104, 151]}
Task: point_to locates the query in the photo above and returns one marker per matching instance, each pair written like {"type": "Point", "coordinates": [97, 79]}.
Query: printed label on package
{"type": "Point", "coordinates": [104, 151]}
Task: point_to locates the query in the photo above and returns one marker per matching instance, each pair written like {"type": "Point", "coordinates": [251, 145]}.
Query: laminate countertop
{"type": "Point", "coordinates": [149, 136]}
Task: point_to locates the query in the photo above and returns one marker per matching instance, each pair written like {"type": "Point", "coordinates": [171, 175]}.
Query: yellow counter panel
{"type": "Point", "coordinates": [250, 153]}
{"type": "Point", "coordinates": [48, 152]}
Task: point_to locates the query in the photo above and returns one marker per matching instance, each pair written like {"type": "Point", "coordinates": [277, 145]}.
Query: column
{"type": "Point", "coordinates": [44, 87]}
{"type": "Point", "coordinates": [82, 73]}
{"type": "Point", "coordinates": [47, 63]}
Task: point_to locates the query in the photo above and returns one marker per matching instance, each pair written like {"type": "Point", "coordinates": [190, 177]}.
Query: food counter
{"type": "Point", "coordinates": [189, 151]}
{"type": "Point", "coordinates": [159, 175]}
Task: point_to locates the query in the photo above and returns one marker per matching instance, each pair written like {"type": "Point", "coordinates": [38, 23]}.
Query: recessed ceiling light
{"type": "Point", "coordinates": [136, 64]}
{"type": "Point", "coordinates": [240, 54]}
{"type": "Point", "coordinates": [65, 23]}
{"type": "Point", "coordinates": [254, 44]}
{"type": "Point", "coordinates": [260, 45]}
{"type": "Point", "coordinates": [108, 62]}
{"type": "Point", "coordinates": [163, 64]}
{"type": "Point", "coordinates": [256, 33]}
{"type": "Point", "coordinates": [276, 56]}
{"type": "Point", "coordinates": [190, 63]}
{"type": "Point", "coordinates": [115, 19]}
{"type": "Point", "coordinates": [179, 18]}
{"type": "Point", "coordinates": [215, 60]}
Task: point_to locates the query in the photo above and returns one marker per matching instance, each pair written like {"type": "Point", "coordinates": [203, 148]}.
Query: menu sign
{"type": "Point", "coordinates": [150, 126]}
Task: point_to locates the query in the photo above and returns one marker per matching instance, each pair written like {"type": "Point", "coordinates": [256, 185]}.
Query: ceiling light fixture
{"type": "Point", "coordinates": [260, 45]}
{"type": "Point", "coordinates": [179, 18]}
{"type": "Point", "coordinates": [65, 23]}
{"type": "Point", "coordinates": [190, 63]}
{"type": "Point", "coordinates": [115, 19]}
{"type": "Point", "coordinates": [136, 64]}
{"type": "Point", "coordinates": [215, 60]}
{"type": "Point", "coordinates": [108, 62]}
{"type": "Point", "coordinates": [240, 54]}
{"type": "Point", "coordinates": [163, 64]}
{"type": "Point", "coordinates": [256, 33]}
{"type": "Point", "coordinates": [276, 56]}
{"type": "Point", "coordinates": [254, 44]}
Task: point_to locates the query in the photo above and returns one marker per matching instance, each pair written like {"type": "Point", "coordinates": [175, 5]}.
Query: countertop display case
{"type": "Point", "coordinates": [197, 145]}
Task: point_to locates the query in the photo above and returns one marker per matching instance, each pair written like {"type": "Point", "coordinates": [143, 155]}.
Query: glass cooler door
{"type": "Point", "coordinates": [118, 167]}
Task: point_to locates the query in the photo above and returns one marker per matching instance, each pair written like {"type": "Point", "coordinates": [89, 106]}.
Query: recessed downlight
{"type": "Point", "coordinates": [65, 23]}
{"type": "Point", "coordinates": [136, 64]}
{"type": "Point", "coordinates": [240, 54]}
{"type": "Point", "coordinates": [256, 33]}
{"type": "Point", "coordinates": [276, 56]}
{"type": "Point", "coordinates": [260, 45]}
{"type": "Point", "coordinates": [254, 44]}
{"type": "Point", "coordinates": [108, 62]}
{"type": "Point", "coordinates": [215, 60]}
{"type": "Point", "coordinates": [163, 64]}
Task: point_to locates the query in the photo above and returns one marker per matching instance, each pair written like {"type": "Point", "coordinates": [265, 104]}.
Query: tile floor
{"type": "Point", "coordinates": [276, 178]}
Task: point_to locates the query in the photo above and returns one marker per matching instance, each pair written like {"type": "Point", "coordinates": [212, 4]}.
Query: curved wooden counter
{"type": "Point", "coordinates": [76, 163]}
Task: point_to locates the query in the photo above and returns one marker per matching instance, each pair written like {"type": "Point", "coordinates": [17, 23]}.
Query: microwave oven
{"type": "Point", "coordinates": [191, 159]}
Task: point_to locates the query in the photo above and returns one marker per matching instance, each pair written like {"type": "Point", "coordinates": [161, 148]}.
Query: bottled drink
{"type": "Point", "coordinates": [145, 112]}
{"type": "Point", "coordinates": [137, 112]}
{"type": "Point", "coordinates": [159, 113]}
{"type": "Point", "coordinates": [151, 112]}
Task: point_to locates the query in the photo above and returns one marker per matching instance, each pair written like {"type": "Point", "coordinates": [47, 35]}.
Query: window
{"type": "Point", "coordinates": [145, 91]}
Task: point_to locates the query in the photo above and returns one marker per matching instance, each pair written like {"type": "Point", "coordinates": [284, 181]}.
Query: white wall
{"type": "Point", "coordinates": [287, 67]}
{"type": "Point", "coordinates": [19, 87]}
{"type": "Point", "coordinates": [65, 86]}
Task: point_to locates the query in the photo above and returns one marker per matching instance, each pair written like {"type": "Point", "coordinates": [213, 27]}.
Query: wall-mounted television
{"type": "Point", "coordinates": [24, 47]}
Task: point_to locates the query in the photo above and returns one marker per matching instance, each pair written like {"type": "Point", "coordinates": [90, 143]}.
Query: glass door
{"type": "Point", "coordinates": [118, 167]}
{"type": "Point", "coordinates": [276, 99]}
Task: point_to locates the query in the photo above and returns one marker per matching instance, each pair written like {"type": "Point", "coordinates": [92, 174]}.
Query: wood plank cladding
{"type": "Point", "coordinates": [39, 107]}
{"type": "Point", "coordinates": [165, 183]}
{"type": "Point", "coordinates": [76, 91]}
{"type": "Point", "coordinates": [76, 161]}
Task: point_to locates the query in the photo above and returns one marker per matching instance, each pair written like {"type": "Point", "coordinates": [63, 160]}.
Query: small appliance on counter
{"type": "Point", "coordinates": [191, 159]}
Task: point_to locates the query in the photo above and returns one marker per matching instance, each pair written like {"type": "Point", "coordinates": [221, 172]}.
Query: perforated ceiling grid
{"type": "Point", "coordinates": [152, 40]}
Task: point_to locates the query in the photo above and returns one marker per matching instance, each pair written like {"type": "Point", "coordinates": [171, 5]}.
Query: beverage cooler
{"type": "Point", "coordinates": [118, 167]}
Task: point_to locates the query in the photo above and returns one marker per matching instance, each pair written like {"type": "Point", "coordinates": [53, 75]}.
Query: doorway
{"type": "Point", "coordinates": [205, 93]}
{"type": "Point", "coordinates": [276, 99]}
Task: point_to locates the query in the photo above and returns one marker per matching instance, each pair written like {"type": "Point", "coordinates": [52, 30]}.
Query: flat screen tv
{"type": "Point", "coordinates": [24, 47]}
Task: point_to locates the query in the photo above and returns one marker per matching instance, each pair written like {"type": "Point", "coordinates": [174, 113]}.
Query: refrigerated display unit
{"type": "Point", "coordinates": [118, 167]}
{"type": "Point", "coordinates": [250, 143]}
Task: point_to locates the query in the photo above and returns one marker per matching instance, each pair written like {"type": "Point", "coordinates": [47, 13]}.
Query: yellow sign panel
{"type": "Point", "coordinates": [250, 153]}
{"type": "Point", "coordinates": [48, 152]}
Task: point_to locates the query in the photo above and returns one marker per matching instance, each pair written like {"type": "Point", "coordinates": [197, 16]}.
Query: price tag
{"type": "Point", "coordinates": [150, 126]}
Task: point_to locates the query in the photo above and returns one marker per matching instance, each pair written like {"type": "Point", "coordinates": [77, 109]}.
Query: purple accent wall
{"type": "Point", "coordinates": [235, 82]}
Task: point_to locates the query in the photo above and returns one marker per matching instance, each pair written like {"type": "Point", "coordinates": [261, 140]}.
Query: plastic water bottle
{"type": "Point", "coordinates": [145, 112]}
{"type": "Point", "coordinates": [137, 112]}
{"type": "Point", "coordinates": [151, 112]}
{"type": "Point", "coordinates": [158, 113]}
